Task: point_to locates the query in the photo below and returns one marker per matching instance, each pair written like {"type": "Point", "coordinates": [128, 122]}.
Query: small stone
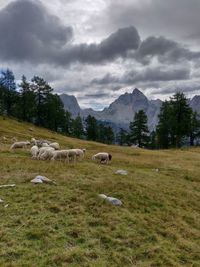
{"type": "Point", "coordinates": [122, 172]}
{"type": "Point", "coordinates": [112, 200]}
{"type": "Point", "coordinates": [36, 181]}
{"type": "Point", "coordinates": [43, 179]}
{"type": "Point", "coordinates": [1, 200]}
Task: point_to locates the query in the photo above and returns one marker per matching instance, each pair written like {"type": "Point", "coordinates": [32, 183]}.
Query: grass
{"type": "Point", "coordinates": [68, 225]}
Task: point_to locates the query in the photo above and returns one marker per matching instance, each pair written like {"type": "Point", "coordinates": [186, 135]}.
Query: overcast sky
{"type": "Point", "coordinates": [99, 49]}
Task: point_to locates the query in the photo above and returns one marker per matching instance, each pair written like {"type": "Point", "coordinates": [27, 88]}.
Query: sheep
{"type": "Point", "coordinates": [58, 154]}
{"type": "Point", "coordinates": [39, 142]}
{"type": "Point", "coordinates": [34, 151]}
{"type": "Point", "coordinates": [21, 144]}
{"type": "Point", "coordinates": [42, 150]}
{"type": "Point", "coordinates": [45, 145]}
{"type": "Point", "coordinates": [103, 157]}
{"type": "Point", "coordinates": [55, 145]}
{"type": "Point", "coordinates": [48, 153]}
{"type": "Point", "coordinates": [79, 152]}
{"type": "Point", "coordinates": [67, 153]}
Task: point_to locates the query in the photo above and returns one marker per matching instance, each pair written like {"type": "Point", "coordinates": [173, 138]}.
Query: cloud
{"type": "Point", "coordinates": [164, 49]}
{"type": "Point", "coordinates": [155, 74]}
{"type": "Point", "coordinates": [29, 32]}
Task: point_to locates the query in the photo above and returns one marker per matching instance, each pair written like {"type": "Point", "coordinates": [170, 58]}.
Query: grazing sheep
{"type": "Point", "coordinates": [34, 151]}
{"type": "Point", "coordinates": [59, 154]}
{"type": "Point", "coordinates": [55, 145]}
{"type": "Point", "coordinates": [48, 154]}
{"type": "Point", "coordinates": [42, 150]}
{"type": "Point", "coordinates": [39, 142]}
{"type": "Point", "coordinates": [22, 144]}
{"type": "Point", "coordinates": [45, 145]}
{"type": "Point", "coordinates": [103, 157]}
{"type": "Point", "coordinates": [79, 152]}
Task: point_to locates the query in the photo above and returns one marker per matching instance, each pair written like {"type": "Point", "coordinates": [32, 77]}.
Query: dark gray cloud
{"type": "Point", "coordinates": [155, 74]}
{"type": "Point", "coordinates": [164, 49]}
{"type": "Point", "coordinates": [29, 33]}
{"type": "Point", "coordinates": [118, 44]}
{"type": "Point", "coordinates": [173, 18]}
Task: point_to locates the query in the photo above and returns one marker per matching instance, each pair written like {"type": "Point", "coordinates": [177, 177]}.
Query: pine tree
{"type": "Point", "coordinates": [8, 92]}
{"type": "Point", "coordinates": [92, 129]}
{"type": "Point", "coordinates": [77, 127]}
{"type": "Point", "coordinates": [123, 137]}
{"type": "Point", "coordinates": [181, 117]}
{"type": "Point", "coordinates": [139, 133]}
{"type": "Point", "coordinates": [164, 132]}
{"type": "Point", "coordinates": [55, 119]}
{"type": "Point", "coordinates": [42, 90]}
{"type": "Point", "coordinates": [26, 101]}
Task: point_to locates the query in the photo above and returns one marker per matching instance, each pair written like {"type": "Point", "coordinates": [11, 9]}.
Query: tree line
{"type": "Point", "coordinates": [178, 125]}
{"type": "Point", "coordinates": [35, 102]}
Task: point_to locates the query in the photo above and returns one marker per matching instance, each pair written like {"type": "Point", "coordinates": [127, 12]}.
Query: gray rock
{"type": "Point", "coordinates": [112, 200]}
{"type": "Point", "coordinates": [122, 172]}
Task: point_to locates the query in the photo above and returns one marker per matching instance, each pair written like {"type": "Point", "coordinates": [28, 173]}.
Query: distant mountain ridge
{"type": "Point", "coordinates": [121, 111]}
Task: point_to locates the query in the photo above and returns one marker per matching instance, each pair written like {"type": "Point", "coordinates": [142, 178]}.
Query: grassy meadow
{"type": "Point", "coordinates": [68, 225]}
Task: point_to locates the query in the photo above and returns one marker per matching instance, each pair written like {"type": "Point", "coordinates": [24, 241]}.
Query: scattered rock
{"type": "Point", "coordinates": [1, 200]}
{"type": "Point", "coordinates": [39, 179]}
{"type": "Point", "coordinates": [36, 181]}
{"type": "Point", "coordinates": [112, 200]}
{"type": "Point", "coordinates": [122, 172]}
{"type": "Point", "coordinates": [6, 206]}
{"type": "Point", "coordinates": [7, 185]}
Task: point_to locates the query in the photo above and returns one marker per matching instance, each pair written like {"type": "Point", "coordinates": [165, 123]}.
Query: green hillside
{"type": "Point", "coordinates": [68, 225]}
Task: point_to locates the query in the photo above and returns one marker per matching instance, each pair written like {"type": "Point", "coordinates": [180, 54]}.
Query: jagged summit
{"type": "Point", "coordinates": [122, 110]}
{"type": "Point", "coordinates": [71, 104]}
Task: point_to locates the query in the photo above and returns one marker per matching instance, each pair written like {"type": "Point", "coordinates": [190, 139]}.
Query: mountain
{"type": "Point", "coordinates": [71, 104]}
{"type": "Point", "coordinates": [195, 103]}
{"type": "Point", "coordinates": [122, 110]}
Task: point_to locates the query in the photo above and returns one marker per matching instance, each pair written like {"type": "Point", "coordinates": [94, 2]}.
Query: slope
{"type": "Point", "coordinates": [68, 225]}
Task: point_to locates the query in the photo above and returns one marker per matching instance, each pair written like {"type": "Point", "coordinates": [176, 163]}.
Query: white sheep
{"type": "Point", "coordinates": [104, 157]}
{"type": "Point", "coordinates": [39, 142]}
{"type": "Point", "coordinates": [22, 144]}
{"type": "Point", "coordinates": [55, 145]}
{"type": "Point", "coordinates": [34, 151]}
{"type": "Point", "coordinates": [42, 150]}
{"type": "Point", "coordinates": [59, 154]}
{"type": "Point", "coordinates": [45, 145]}
{"type": "Point", "coordinates": [79, 152]}
{"type": "Point", "coordinates": [48, 154]}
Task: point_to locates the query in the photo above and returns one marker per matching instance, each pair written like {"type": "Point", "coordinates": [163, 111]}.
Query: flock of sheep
{"type": "Point", "coordinates": [46, 150]}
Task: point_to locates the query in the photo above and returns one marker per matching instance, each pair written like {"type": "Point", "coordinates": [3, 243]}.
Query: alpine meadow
{"type": "Point", "coordinates": [67, 224]}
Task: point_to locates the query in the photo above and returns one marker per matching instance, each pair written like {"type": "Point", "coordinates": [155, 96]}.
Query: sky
{"type": "Point", "coordinates": [97, 50]}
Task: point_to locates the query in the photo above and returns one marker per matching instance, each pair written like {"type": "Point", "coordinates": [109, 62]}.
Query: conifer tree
{"type": "Point", "coordinates": [42, 90]}
{"type": "Point", "coordinates": [139, 133]}
{"type": "Point", "coordinates": [26, 101]}
{"type": "Point", "coordinates": [77, 127]}
{"type": "Point", "coordinates": [92, 129]}
{"type": "Point", "coordinates": [8, 92]}
{"type": "Point", "coordinates": [180, 117]}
